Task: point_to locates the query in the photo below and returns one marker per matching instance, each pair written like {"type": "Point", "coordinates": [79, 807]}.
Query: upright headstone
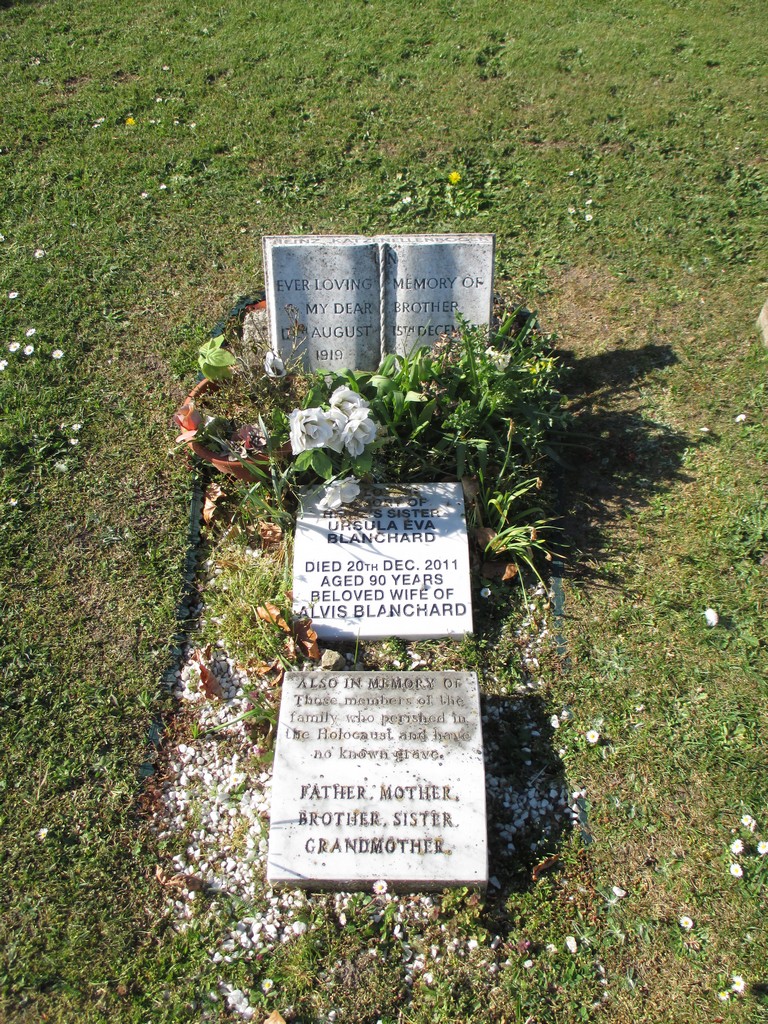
{"type": "Point", "coordinates": [378, 776]}
{"type": "Point", "coordinates": [431, 283]}
{"type": "Point", "coordinates": [344, 302]}
{"type": "Point", "coordinates": [393, 563]}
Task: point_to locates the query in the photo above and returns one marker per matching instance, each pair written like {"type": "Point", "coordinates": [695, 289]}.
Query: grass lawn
{"type": "Point", "coordinates": [617, 151]}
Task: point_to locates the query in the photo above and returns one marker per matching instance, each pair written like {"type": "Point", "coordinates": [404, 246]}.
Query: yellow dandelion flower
{"type": "Point", "coordinates": [130, 120]}
{"type": "Point", "coordinates": [454, 177]}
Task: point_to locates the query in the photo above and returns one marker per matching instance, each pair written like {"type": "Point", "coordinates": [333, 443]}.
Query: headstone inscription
{"type": "Point", "coordinates": [393, 563]}
{"type": "Point", "coordinates": [345, 301]}
{"type": "Point", "coordinates": [378, 776]}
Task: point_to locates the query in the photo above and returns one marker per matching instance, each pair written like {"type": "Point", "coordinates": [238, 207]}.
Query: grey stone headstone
{"type": "Point", "coordinates": [432, 281]}
{"type": "Point", "coordinates": [344, 301]}
{"type": "Point", "coordinates": [393, 563]}
{"type": "Point", "coordinates": [323, 297]}
{"type": "Point", "coordinates": [378, 776]}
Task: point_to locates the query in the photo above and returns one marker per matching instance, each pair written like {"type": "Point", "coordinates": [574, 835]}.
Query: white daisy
{"type": "Point", "coordinates": [686, 923]}
{"type": "Point", "coordinates": [57, 354]}
{"type": "Point", "coordinates": [592, 736]}
{"type": "Point", "coordinates": [736, 870]}
{"type": "Point", "coordinates": [28, 350]}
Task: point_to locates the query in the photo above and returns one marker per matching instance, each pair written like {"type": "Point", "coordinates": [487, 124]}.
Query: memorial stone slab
{"type": "Point", "coordinates": [395, 562]}
{"type": "Point", "coordinates": [378, 775]}
{"type": "Point", "coordinates": [432, 281]}
{"type": "Point", "coordinates": [345, 301]}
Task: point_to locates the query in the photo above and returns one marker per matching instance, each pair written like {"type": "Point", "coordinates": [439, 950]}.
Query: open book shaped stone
{"type": "Point", "coordinates": [346, 301]}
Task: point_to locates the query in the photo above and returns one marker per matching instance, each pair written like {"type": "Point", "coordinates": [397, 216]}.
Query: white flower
{"type": "Point", "coordinates": [711, 617]}
{"type": "Point", "coordinates": [13, 295]}
{"type": "Point", "coordinates": [163, 187]}
{"type": "Point", "coordinates": [338, 493]}
{"type": "Point", "coordinates": [592, 736]}
{"type": "Point", "coordinates": [736, 870]}
{"type": "Point", "coordinates": [3, 363]}
{"type": "Point", "coordinates": [737, 846]}
{"type": "Point", "coordinates": [39, 253]}
{"type": "Point", "coordinates": [741, 418]}
{"type": "Point", "coordinates": [346, 399]}
{"type": "Point", "coordinates": [571, 209]}
{"type": "Point", "coordinates": [739, 985]}
{"type": "Point", "coordinates": [587, 216]}
{"type": "Point", "coordinates": [73, 441]}
{"type": "Point", "coordinates": [686, 923]}
{"type": "Point", "coordinates": [145, 195]}
{"type": "Point", "coordinates": [358, 432]}
{"type": "Point", "coordinates": [723, 996]}
{"type": "Point", "coordinates": [76, 427]}
{"type": "Point", "coordinates": [30, 331]}
{"type": "Point", "coordinates": [310, 428]}
{"type": "Point", "coordinates": [28, 350]}
{"type": "Point", "coordinates": [338, 422]}
{"type": "Point", "coordinates": [762, 848]}
{"type": "Point", "coordinates": [14, 346]}
{"type": "Point", "coordinates": [380, 887]}
{"type": "Point", "coordinates": [57, 354]}
{"type": "Point", "coordinates": [571, 943]}
{"type": "Point", "coordinates": [267, 985]}
{"type": "Point", "coordinates": [42, 834]}
{"type": "Point", "coordinates": [746, 820]}
{"type": "Point", "coordinates": [274, 365]}
{"type": "Point", "coordinates": [485, 592]}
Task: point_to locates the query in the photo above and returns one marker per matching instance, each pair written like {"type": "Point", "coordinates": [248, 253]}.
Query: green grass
{"type": "Point", "coordinates": [299, 118]}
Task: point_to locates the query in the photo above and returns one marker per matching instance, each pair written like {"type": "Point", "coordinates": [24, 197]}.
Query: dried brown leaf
{"type": "Point", "coordinates": [510, 571]}
{"type": "Point", "coordinates": [210, 684]}
{"type": "Point", "coordinates": [483, 535]}
{"type": "Point", "coordinates": [306, 638]}
{"type": "Point", "coordinates": [290, 648]}
{"type": "Point", "coordinates": [271, 613]}
{"type": "Point", "coordinates": [275, 1018]}
{"type": "Point", "coordinates": [212, 494]}
{"type": "Point", "coordinates": [271, 534]}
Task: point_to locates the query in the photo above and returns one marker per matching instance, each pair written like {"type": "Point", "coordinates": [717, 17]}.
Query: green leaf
{"type": "Point", "coordinates": [415, 396]}
{"type": "Point", "coordinates": [321, 463]}
{"type": "Point", "coordinates": [363, 463]}
{"type": "Point", "coordinates": [303, 460]}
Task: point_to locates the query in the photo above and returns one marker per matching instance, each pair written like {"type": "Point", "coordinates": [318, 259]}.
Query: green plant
{"type": "Point", "coordinates": [215, 361]}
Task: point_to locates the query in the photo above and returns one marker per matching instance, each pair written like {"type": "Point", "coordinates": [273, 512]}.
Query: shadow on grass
{"type": "Point", "coordinates": [621, 459]}
{"type": "Point", "coordinates": [527, 800]}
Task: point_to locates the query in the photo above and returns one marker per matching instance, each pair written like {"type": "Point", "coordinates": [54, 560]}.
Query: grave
{"type": "Point", "coordinates": [378, 775]}
{"type": "Point", "coordinates": [393, 563]}
{"type": "Point", "coordinates": [345, 301]}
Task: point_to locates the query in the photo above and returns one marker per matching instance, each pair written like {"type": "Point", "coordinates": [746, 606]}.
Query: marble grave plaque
{"type": "Point", "coordinates": [378, 775]}
{"type": "Point", "coordinates": [345, 301]}
{"type": "Point", "coordinates": [393, 563]}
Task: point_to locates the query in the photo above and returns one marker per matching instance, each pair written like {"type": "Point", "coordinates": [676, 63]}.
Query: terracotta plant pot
{"type": "Point", "coordinates": [237, 469]}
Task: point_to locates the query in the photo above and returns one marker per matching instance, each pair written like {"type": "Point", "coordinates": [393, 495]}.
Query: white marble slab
{"type": "Point", "coordinates": [378, 776]}
{"type": "Point", "coordinates": [394, 563]}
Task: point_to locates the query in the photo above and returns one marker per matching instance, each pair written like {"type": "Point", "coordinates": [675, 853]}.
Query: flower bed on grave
{"type": "Point", "coordinates": [479, 409]}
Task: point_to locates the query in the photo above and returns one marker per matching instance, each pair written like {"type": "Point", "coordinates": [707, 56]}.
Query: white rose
{"type": "Point", "coordinates": [310, 428]}
{"type": "Point", "coordinates": [359, 431]}
{"type": "Point", "coordinates": [339, 493]}
{"type": "Point", "coordinates": [346, 399]}
{"type": "Point", "coordinates": [274, 365]}
{"type": "Point", "coordinates": [338, 421]}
